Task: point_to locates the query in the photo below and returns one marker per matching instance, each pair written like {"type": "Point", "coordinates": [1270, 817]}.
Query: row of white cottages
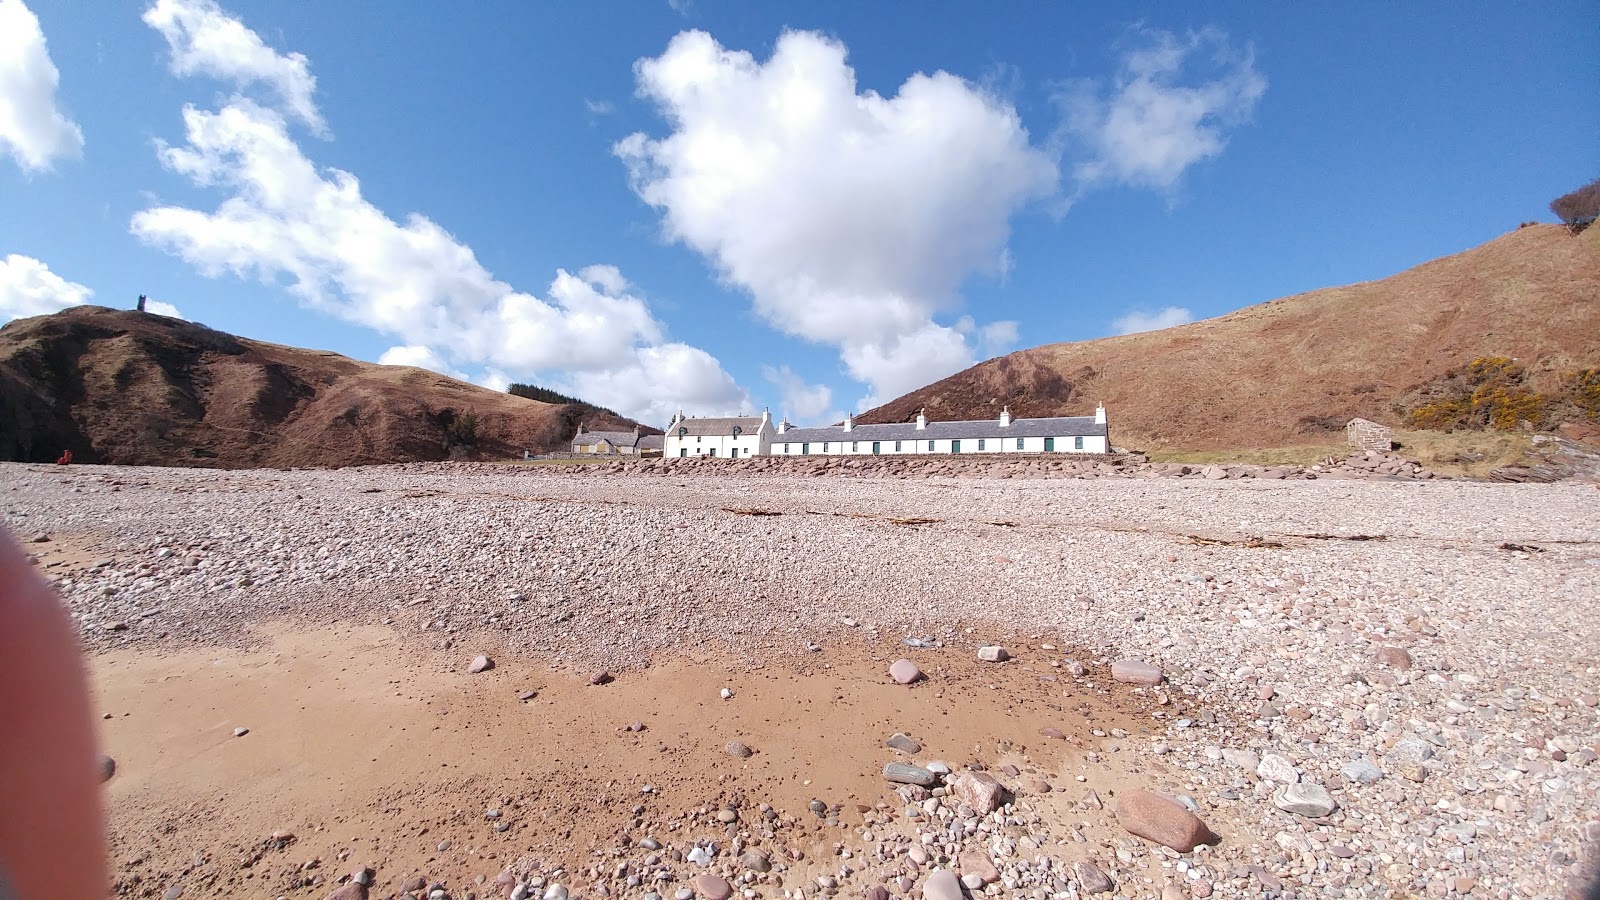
{"type": "Point", "coordinates": [742, 436]}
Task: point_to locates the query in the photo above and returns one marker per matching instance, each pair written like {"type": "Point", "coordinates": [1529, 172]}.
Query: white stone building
{"type": "Point", "coordinates": [729, 437]}
{"type": "Point", "coordinates": [1057, 434]}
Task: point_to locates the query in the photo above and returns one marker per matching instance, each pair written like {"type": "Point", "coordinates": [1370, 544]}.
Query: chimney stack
{"type": "Point", "coordinates": [1100, 414]}
{"type": "Point", "coordinates": [922, 419]}
{"type": "Point", "coordinates": [1005, 416]}
{"type": "Point", "coordinates": [849, 421]}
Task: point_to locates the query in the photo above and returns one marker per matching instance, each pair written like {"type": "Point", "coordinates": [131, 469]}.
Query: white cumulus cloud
{"type": "Point", "coordinates": [29, 288]}
{"type": "Point", "coordinates": [285, 220]}
{"type": "Point", "coordinates": [1169, 106]}
{"type": "Point", "coordinates": [162, 308]}
{"type": "Point", "coordinates": [422, 358]}
{"type": "Point", "coordinates": [803, 403]}
{"type": "Point", "coordinates": [851, 218]}
{"type": "Point", "coordinates": [205, 40]}
{"type": "Point", "coordinates": [32, 128]}
{"type": "Point", "coordinates": [1144, 320]}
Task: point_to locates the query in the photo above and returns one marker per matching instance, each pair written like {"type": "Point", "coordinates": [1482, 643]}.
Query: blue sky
{"type": "Point", "coordinates": [719, 206]}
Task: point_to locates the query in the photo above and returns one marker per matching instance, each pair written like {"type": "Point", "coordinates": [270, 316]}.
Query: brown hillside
{"type": "Point", "coordinates": [117, 386]}
{"type": "Point", "coordinates": [1294, 370]}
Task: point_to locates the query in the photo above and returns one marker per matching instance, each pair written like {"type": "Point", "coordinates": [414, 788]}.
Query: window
{"type": "Point", "coordinates": [853, 446]}
{"type": "Point", "coordinates": [824, 446]}
{"type": "Point", "coordinates": [980, 444]}
{"type": "Point", "coordinates": [786, 448]}
{"type": "Point", "coordinates": [1019, 443]}
{"type": "Point", "coordinates": [697, 439]}
{"type": "Point", "coordinates": [930, 446]}
{"type": "Point", "coordinates": [1077, 443]}
{"type": "Point", "coordinates": [897, 446]}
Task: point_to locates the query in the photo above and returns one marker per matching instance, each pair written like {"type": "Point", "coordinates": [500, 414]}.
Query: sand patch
{"type": "Point", "coordinates": [369, 750]}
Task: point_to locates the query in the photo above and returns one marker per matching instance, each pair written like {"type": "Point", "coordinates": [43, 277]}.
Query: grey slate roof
{"type": "Point", "coordinates": [617, 438]}
{"type": "Point", "coordinates": [713, 426]}
{"type": "Point", "coordinates": [651, 442]}
{"type": "Point", "coordinates": [1056, 426]}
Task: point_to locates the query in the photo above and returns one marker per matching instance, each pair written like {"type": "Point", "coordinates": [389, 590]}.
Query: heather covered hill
{"type": "Point", "coordinates": [1293, 370]}
{"type": "Point", "coordinates": [116, 386]}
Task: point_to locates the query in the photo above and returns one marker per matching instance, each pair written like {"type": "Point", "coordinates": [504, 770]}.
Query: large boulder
{"type": "Point", "coordinates": [980, 791]}
{"type": "Point", "coordinates": [1157, 818]}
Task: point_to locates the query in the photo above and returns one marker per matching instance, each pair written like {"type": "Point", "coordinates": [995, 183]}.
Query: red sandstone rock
{"type": "Point", "coordinates": [1393, 657]}
{"type": "Point", "coordinates": [980, 791]}
{"type": "Point", "coordinates": [1155, 818]}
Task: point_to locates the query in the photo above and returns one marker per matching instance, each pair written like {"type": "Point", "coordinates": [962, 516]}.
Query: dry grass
{"type": "Point", "coordinates": [1294, 370]}
{"type": "Point", "coordinates": [1470, 453]}
{"type": "Point", "coordinates": [1270, 456]}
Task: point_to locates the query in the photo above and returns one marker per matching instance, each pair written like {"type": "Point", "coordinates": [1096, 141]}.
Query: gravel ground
{"type": "Point", "coordinates": [1275, 605]}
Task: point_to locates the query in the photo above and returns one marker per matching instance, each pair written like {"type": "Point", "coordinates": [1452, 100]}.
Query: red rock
{"type": "Point", "coordinates": [980, 791]}
{"type": "Point", "coordinates": [1053, 733]}
{"type": "Point", "coordinates": [351, 891]}
{"type": "Point", "coordinates": [1136, 671]}
{"type": "Point", "coordinates": [977, 862]}
{"type": "Point", "coordinates": [599, 678]}
{"type": "Point", "coordinates": [712, 887]}
{"type": "Point", "coordinates": [904, 671]}
{"type": "Point", "coordinates": [1393, 657]}
{"type": "Point", "coordinates": [1091, 879]}
{"type": "Point", "coordinates": [1155, 818]}
{"type": "Point", "coordinates": [877, 892]}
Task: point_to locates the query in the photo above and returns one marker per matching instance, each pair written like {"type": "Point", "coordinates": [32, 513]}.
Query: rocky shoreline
{"type": "Point", "coordinates": [1365, 689]}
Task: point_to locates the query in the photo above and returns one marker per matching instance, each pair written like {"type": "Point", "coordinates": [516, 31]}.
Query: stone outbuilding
{"type": "Point", "coordinates": [1364, 434]}
{"type": "Point", "coordinates": [606, 442]}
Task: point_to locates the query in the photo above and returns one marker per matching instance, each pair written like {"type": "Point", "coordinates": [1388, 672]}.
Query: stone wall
{"type": "Point", "coordinates": [1363, 434]}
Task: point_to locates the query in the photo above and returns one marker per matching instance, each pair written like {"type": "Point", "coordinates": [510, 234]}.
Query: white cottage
{"type": "Point", "coordinates": [1056, 434]}
{"type": "Point", "coordinates": [729, 437]}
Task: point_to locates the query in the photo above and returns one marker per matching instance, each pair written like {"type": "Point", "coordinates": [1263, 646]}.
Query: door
{"type": "Point", "coordinates": [805, 449]}
{"type": "Point", "coordinates": [955, 446]}
{"type": "Point", "coordinates": [683, 451]}
{"type": "Point", "coordinates": [875, 448]}
{"type": "Point", "coordinates": [1049, 445]}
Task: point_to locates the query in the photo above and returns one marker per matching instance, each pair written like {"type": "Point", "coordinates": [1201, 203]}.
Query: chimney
{"type": "Point", "coordinates": [1005, 416]}
{"type": "Point", "coordinates": [783, 425]}
{"type": "Point", "coordinates": [922, 419]}
{"type": "Point", "coordinates": [580, 426]}
{"type": "Point", "coordinates": [766, 417]}
{"type": "Point", "coordinates": [849, 421]}
{"type": "Point", "coordinates": [1100, 414]}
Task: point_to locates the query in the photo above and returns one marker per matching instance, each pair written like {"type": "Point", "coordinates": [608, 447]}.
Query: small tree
{"type": "Point", "coordinates": [463, 430]}
{"type": "Point", "coordinates": [1583, 203]}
